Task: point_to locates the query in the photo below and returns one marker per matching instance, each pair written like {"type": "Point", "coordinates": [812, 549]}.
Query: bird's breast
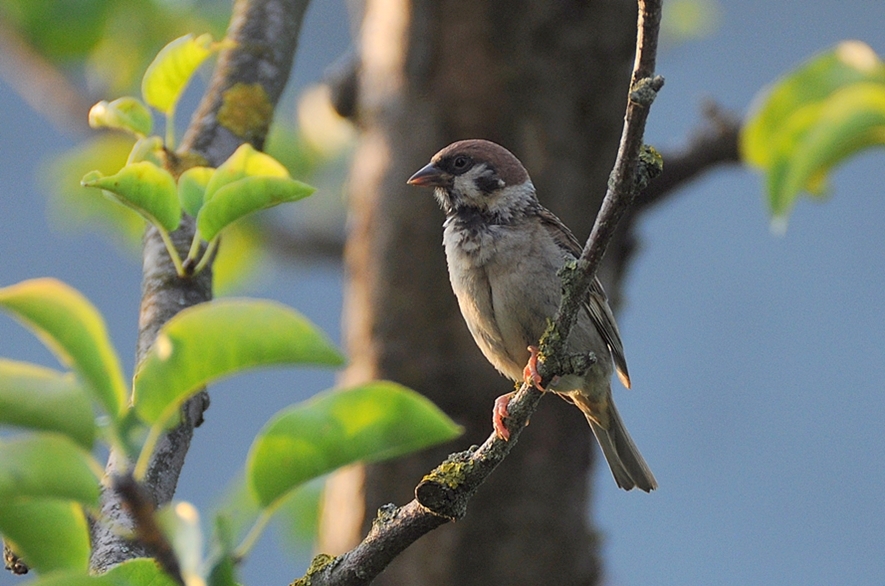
{"type": "Point", "coordinates": [504, 293]}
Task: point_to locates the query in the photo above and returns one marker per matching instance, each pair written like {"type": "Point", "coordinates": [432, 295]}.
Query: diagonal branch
{"type": "Point", "coordinates": [443, 494]}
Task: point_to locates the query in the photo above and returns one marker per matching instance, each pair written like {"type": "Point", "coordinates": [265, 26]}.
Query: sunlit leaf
{"type": "Point", "coordinates": [46, 466]}
{"type": "Point", "coordinates": [240, 198]}
{"type": "Point", "coordinates": [247, 182]}
{"type": "Point", "coordinates": [73, 578]}
{"type": "Point", "coordinates": [814, 117]}
{"type": "Point", "coordinates": [171, 70]}
{"type": "Point", "coordinates": [43, 399]}
{"type": "Point", "coordinates": [144, 187]}
{"type": "Point", "coordinates": [215, 339]}
{"type": "Point", "coordinates": [371, 422]}
{"type": "Point", "coordinates": [134, 572]}
{"type": "Point", "coordinates": [192, 187]}
{"type": "Point", "coordinates": [138, 572]}
{"type": "Point", "coordinates": [73, 329]}
{"type": "Point", "coordinates": [125, 113]}
{"type": "Point", "coordinates": [48, 534]}
{"type": "Point", "coordinates": [851, 120]}
{"type": "Point", "coordinates": [244, 162]}
{"type": "Point", "coordinates": [149, 148]}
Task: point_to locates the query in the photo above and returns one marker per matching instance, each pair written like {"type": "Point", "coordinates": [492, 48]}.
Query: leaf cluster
{"type": "Point", "coordinates": [50, 479]}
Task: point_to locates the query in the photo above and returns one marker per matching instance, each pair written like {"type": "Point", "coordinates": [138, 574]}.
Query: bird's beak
{"type": "Point", "coordinates": [430, 176]}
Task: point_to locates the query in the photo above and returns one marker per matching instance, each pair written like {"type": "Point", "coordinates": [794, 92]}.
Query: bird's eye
{"type": "Point", "coordinates": [460, 163]}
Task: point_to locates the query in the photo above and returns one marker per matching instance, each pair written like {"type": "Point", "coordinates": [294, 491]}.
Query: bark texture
{"type": "Point", "coordinates": [548, 80]}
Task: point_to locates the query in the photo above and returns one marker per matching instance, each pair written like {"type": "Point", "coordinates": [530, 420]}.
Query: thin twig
{"type": "Point", "coordinates": [443, 494]}
{"type": "Point", "coordinates": [148, 533]}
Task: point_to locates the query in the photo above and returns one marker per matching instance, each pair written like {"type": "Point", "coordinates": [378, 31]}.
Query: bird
{"type": "Point", "coordinates": [503, 250]}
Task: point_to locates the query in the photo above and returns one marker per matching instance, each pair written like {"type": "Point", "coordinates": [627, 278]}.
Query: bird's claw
{"type": "Point", "coordinates": [499, 414]}
{"type": "Point", "coordinates": [531, 370]}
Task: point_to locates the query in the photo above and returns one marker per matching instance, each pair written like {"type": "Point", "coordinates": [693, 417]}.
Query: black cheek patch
{"type": "Point", "coordinates": [487, 184]}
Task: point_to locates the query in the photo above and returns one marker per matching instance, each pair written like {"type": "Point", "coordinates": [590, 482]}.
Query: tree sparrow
{"type": "Point", "coordinates": [504, 250]}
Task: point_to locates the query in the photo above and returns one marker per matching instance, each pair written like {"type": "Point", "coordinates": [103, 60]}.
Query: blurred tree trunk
{"type": "Point", "coordinates": [548, 80]}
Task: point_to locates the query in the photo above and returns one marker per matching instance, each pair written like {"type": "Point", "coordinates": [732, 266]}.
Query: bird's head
{"type": "Point", "coordinates": [477, 177]}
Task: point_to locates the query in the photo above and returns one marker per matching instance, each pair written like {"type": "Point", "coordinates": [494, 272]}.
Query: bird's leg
{"type": "Point", "coordinates": [499, 413]}
{"type": "Point", "coordinates": [531, 370]}
{"type": "Point", "coordinates": [532, 378]}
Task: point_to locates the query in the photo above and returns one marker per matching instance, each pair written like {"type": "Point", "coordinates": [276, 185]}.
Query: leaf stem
{"type": "Point", "coordinates": [194, 249]}
{"type": "Point", "coordinates": [170, 128]}
{"type": "Point", "coordinates": [207, 256]}
{"type": "Point", "coordinates": [173, 253]}
{"type": "Point", "coordinates": [144, 457]}
{"type": "Point", "coordinates": [254, 533]}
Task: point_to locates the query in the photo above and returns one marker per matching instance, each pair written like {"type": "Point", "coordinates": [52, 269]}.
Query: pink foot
{"type": "Point", "coordinates": [531, 370]}
{"type": "Point", "coordinates": [499, 414]}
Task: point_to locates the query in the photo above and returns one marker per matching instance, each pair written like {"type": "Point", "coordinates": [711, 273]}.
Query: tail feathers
{"type": "Point", "coordinates": [626, 463]}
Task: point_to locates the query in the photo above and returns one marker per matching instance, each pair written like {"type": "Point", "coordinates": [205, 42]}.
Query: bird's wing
{"type": "Point", "coordinates": [602, 316]}
{"type": "Point", "coordinates": [597, 303]}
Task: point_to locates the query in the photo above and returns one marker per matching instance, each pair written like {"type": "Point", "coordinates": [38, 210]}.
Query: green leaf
{"type": "Point", "coordinates": [372, 422]}
{"type": "Point", "coordinates": [73, 329]}
{"type": "Point", "coordinates": [43, 399]}
{"type": "Point", "coordinates": [171, 70]}
{"type": "Point", "coordinates": [851, 120]}
{"type": "Point", "coordinates": [238, 199]}
{"type": "Point", "coordinates": [192, 187]}
{"type": "Point", "coordinates": [150, 149]}
{"type": "Point", "coordinates": [134, 572]}
{"type": "Point", "coordinates": [824, 111]}
{"type": "Point", "coordinates": [211, 340]}
{"type": "Point", "coordinates": [48, 534]}
{"type": "Point", "coordinates": [144, 187]}
{"type": "Point", "coordinates": [73, 578]}
{"type": "Point", "coordinates": [247, 182]}
{"type": "Point", "coordinates": [47, 466]}
{"type": "Point", "coordinates": [137, 572]}
{"type": "Point", "coordinates": [244, 162]}
{"type": "Point", "coordinates": [127, 113]}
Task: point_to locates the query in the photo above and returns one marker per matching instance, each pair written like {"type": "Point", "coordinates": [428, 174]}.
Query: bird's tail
{"type": "Point", "coordinates": [623, 457]}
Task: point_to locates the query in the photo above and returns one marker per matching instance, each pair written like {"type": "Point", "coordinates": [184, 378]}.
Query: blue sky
{"type": "Point", "coordinates": [758, 361]}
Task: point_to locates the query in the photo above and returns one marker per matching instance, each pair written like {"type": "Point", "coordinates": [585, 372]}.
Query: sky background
{"type": "Point", "coordinates": [758, 361]}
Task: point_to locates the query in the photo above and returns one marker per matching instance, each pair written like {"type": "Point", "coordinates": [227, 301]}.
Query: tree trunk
{"type": "Point", "coordinates": [548, 80]}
